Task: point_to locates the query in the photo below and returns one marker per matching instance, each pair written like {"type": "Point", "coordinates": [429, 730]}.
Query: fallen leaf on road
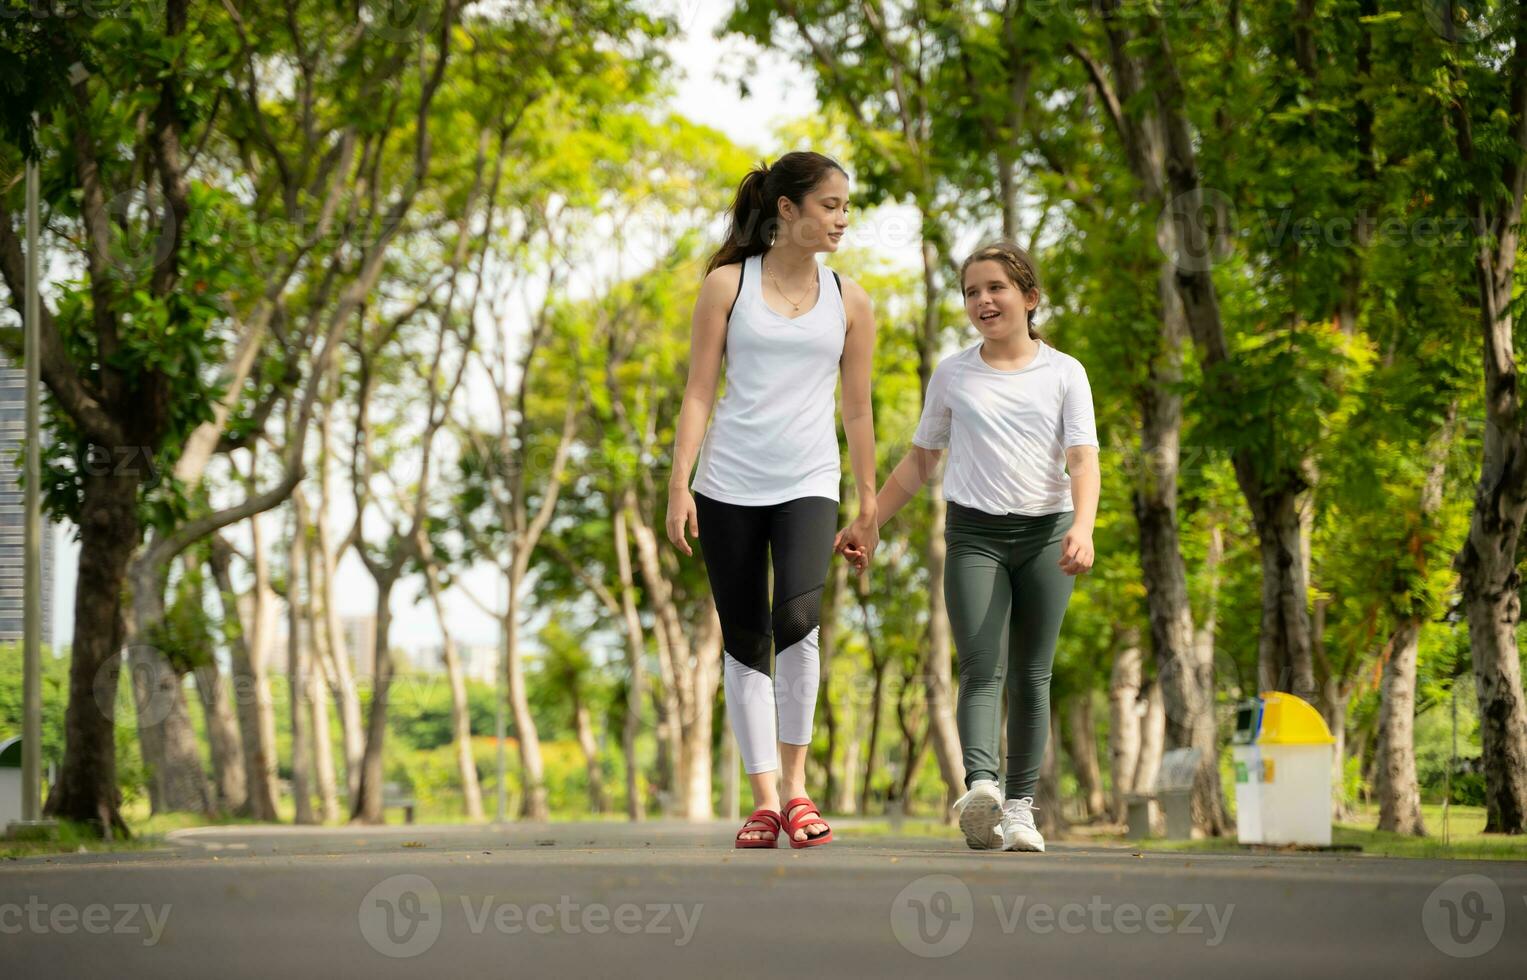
{"type": "Point", "coordinates": [413, 843]}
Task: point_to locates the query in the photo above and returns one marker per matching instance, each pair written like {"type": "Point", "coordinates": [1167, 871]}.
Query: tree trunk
{"type": "Point", "coordinates": [1336, 720]}
{"type": "Point", "coordinates": [844, 800]}
{"type": "Point", "coordinates": [704, 674]}
{"type": "Point", "coordinates": [837, 584]}
{"type": "Point", "coordinates": [317, 684]}
{"type": "Point", "coordinates": [937, 668]}
{"type": "Point", "coordinates": [250, 692]}
{"type": "Point", "coordinates": [323, 745]}
{"type": "Point", "coordinates": [590, 748]}
{"type": "Point", "coordinates": [263, 652]}
{"type": "Point", "coordinates": [670, 734]}
{"type": "Point", "coordinates": [1084, 753]}
{"type": "Point", "coordinates": [1285, 658]}
{"type": "Point", "coordinates": [343, 674]}
{"type": "Point", "coordinates": [1188, 704]}
{"type": "Point", "coordinates": [873, 742]}
{"type": "Point", "coordinates": [1123, 719]}
{"type": "Point", "coordinates": [223, 738]}
{"type": "Point", "coordinates": [1152, 747]}
{"type": "Point", "coordinates": [691, 673]}
{"type": "Point", "coordinates": [86, 786]}
{"type": "Point", "coordinates": [532, 771]}
{"type": "Point", "coordinates": [1048, 803]}
{"type": "Point", "coordinates": [1487, 563]}
{"type": "Point", "coordinates": [1394, 772]}
{"type": "Point", "coordinates": [176, 780]}
{"type": "Point", "coordinates": [730, 764]}
{"type": "Point", "coordinates": [297, 673]}
{"type": "Point", "coordinates": [1152, 740]}
{"type": "Point", "coordinates": [1394, 763]}
{"type": "Point", "coordinates": [461, 717]}
{"type": "Point", "coordinates": [366, 807]}
{"type": "Point", "coordinates": [1160, 146]}
{"type": "Point", "coordinates": [635, 669]}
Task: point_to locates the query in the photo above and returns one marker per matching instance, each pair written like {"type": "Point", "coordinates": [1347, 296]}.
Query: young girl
{"type": "Point", "coordinates": [768, 475]}
{"type": "Point", "coordinates": [1016, 417]}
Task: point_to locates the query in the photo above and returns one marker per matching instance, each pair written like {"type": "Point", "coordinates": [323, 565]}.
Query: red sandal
{"type": "Point", "coordinates": [808, 814]}
{"type": "Point", "coordinates": [761, 820]}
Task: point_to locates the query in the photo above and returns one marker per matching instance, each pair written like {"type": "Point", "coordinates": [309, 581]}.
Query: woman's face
{"type": "Point", "coordinates": [818, 223]}
{"type": "Point", "coordinates": [996, 306]}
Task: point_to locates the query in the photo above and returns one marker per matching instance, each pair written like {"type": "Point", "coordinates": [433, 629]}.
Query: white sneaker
{"type": "Point", "coordinates": [1017, 829]}
{"type": "Point", "coordinates": [980, 809]}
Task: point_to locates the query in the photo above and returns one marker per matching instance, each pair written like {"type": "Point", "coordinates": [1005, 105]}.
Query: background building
{"type": "Point", "coordinates": [13, 514]}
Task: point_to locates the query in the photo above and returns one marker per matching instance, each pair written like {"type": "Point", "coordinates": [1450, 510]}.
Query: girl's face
{"type": "Point", "coordinates": [819, 222]}
{"type": "Point", "coordinates": [994, 304]}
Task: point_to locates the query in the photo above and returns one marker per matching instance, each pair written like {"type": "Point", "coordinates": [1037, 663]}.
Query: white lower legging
{"type": "Point", "coordinates": [753, 699]}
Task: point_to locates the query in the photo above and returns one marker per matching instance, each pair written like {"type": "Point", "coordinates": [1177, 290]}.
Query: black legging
{"type": "Point", "coordinates": [738, 543]}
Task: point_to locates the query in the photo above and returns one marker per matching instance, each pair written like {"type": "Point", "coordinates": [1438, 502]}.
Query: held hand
{"type": "Point", "coordinates": [1076, 551]}
{"type": "Point", "coordinates": [852, 553]}
{"type": "Point", "coordinates": [858, 541]}
{"type": "Point", "coordinates": [681, 515]}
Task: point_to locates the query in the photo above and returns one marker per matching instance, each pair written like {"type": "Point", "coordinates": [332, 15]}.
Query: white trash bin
{"type": "Point", "coordinates": [1282, 751]}
{"type": "Point", "coordinates": [10, 782]}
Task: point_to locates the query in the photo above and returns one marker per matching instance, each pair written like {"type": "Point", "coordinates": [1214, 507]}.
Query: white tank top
{"type": "Point", "coordinates": [775, 433]}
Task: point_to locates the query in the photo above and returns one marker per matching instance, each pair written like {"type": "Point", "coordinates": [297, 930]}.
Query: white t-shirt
{"type": "Point", "coordinates": [1007, 432]}
{"type": "Point", "coordinates": [775, 433]}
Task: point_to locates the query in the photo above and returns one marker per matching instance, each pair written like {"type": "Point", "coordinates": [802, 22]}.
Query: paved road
{"type": "Point", "coordinates": [672, 900]}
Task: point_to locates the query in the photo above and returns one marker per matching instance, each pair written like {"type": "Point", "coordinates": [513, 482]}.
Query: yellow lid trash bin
{"type": "Point", "coordinates": [1287, 720]}
{"type": "Point", "coordinates": [1282, 752]}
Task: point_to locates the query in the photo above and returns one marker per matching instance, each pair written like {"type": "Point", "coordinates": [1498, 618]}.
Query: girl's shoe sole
{"type": "Point", "coordinates": [978, 822]}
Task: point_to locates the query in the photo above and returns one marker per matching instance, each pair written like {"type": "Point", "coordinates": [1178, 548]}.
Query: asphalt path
{"type": "Point", "coordinates": [676, 900]}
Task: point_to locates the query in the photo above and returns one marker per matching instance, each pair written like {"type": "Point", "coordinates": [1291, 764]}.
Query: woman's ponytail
{"type": "Point", "coordinates": [750, 221]}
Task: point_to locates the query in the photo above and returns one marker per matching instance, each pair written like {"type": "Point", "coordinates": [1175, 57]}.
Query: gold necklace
{"type": "Point", "coordinates": [794, 304]}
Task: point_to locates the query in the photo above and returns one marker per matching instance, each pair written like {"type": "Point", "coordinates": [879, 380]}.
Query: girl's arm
{"type": "Point", "coordinates": [706, 344]}
{"type": "Point", "coordinates": [858, 409]}
{"type": "Point", "coordinates": [901, 486]}
{"type": "Point", "coordinates": [907, 479]}
{"type": "Point", "coordinates": [1086, 485]}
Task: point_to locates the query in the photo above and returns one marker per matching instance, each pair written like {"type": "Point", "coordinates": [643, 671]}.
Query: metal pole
{"type": "Point", "coordinates": [31, 725]}
{"type": "Point", "coordinates": [501, 693]}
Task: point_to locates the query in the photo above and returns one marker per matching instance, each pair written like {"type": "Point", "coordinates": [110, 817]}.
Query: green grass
{"type": "Point", "coordinates": [68, 838]}
{"type": "Point", "coordinates": [1466, 838]}
{"type": "Point", "coordinates": [148, 832]}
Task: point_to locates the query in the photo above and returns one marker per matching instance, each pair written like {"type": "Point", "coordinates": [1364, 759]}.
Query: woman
{"type": "Point", "coordinates": [1022, 488]}
{"type": "Point", "coordinates": [766, 485]}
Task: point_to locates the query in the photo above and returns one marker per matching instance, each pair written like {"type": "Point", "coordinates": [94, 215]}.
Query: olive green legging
{"type": "Point", "coordinates": [1007, 598]}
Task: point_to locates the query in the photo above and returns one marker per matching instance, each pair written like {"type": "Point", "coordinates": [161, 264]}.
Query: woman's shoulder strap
{"type": "Point", "coordinates": [742, 271]}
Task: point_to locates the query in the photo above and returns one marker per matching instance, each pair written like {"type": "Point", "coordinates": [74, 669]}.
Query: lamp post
{"type": "Point", "coordinates": [31, 724]}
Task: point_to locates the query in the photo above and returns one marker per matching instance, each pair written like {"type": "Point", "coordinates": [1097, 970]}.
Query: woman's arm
{"type": "Point", "coordinates": [706, 344]}
{"type": "Point", "coordinates": [858, 408]}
